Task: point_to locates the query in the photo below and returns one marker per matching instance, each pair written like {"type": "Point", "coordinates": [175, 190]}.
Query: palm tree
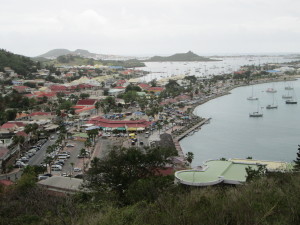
{"type": "Point", "coordinates": [19, 141]}
{"type": "Point", "coordinates": [88, 143]}
{"type": "Point", "coordinates": [83, 154]}
{"type": "Point", "coordinates": [97, 106]}
{"type": "Point", "coordinates": [189, 157]}
{"type": "Point", "coordinates": [172, 122]}
{"type": "Point", "coordinates": [159, 126]}
{"type": "Point", "coordinates": [48, 161]}
{"type": "Point", "coordinates": [72, 166]}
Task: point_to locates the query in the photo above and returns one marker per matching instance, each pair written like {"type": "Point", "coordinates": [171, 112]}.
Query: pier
{"type": "Point", "coordinates": [176, 140]}
{"type": "Point", "coordinates": [195, 127]}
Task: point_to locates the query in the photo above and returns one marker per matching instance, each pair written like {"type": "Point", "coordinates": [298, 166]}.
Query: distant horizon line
{"type": "Point", "coordinates": [168, 54]}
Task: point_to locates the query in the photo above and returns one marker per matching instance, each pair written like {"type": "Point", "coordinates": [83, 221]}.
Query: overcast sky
{"type": "Point", "coordinates": [147, 27]}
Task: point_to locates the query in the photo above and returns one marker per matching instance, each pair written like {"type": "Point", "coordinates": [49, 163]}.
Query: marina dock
{"type": "Point", "coordinates": [176, 140]}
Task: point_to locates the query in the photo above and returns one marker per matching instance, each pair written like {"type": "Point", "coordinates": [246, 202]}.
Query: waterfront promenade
{"type": "Point", "coordinates": [176, 139]}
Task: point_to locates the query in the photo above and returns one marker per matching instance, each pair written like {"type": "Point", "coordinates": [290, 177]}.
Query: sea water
{"type": "Point", "coordinates": [232, 133]}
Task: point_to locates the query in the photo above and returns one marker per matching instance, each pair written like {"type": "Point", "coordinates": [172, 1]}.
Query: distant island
{"type": "Point", "coordinates": [180, 57]}
{"type": "Point", "coordinates": [54, 53]}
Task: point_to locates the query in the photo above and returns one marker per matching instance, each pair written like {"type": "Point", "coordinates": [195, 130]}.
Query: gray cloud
{"type": "Point", "coordinates": [146, 27]}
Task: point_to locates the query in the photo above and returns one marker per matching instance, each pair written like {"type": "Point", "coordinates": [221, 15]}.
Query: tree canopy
{"type": "Point", "coordinates": [124, 167]}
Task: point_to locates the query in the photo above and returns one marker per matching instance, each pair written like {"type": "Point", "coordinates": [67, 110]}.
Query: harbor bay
{"type": "Point", "coordinates": [231, 133]}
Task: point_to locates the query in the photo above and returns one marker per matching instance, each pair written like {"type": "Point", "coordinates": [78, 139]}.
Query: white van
{"type": "Point", "coordinates": [63, 154]}
{"type": "Point", "coordinates": [33, 151]}
{"type": "Point", "coordinates": [56, 168]}
{"type": "Point", "coordinates": [62, 157]}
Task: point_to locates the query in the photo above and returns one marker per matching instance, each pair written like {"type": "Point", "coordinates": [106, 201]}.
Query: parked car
{"type": "Point", "coordinates": [76, 169]}
{"type": "Point", "coordinates": [59, 163]}
{"type": "Point", "coordinates": [20, 164]}
{"type": "Point", "coordinates": [70, 145]}
{"type": "Point", "coordinates": [42, 177]}
{"type": "Point", "coordinates": [24, 159]}
{"type": "Point", "coordinates": [56, 168]}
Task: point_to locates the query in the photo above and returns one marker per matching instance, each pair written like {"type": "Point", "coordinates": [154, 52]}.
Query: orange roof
{"type": "Point", "coordinates": [78, 106]}
{"type": "Point", "coordinates": [20, 115]}
{"type": "Point", "coordinates": [6, 182]}
{"type": "Point", "coordinates": [84, 109]}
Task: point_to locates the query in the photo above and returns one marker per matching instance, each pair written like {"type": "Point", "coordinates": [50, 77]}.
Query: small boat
{"type": "Point", "coordinates": [272, 106]}
{"type": "Point", "coordinates": [251, 98]}
{"type": "Point", "coordinates": [287, 96]}
{"type": "Point", "coordinates": [288, 87]}
{"type": "Point", "coordinates": [256, 114]}
{"type": "Point", "coordinates": [291, 101]}
{"type": "Point", "coordinates": [271, 90]}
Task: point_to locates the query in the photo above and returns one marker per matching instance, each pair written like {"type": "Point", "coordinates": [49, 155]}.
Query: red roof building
{"type": "Point", "coordinates": [58, 88]}
{"type": "Point", "coordinates": [121, 82]}
{"type": "Point", "coordinates": [144, 86]}
{"type": "Point", "coordinates": [6, 182]}
{"type": "Point", "coordinates": [85, 86]}
{"type": "Point", "coordinates": [119, 87]}
{"type": "Point", "coordinates": [21, 133]}
{"type": "Point", "coordinates": [9, 126]}
{"type": "Point", "coordinates": [47, 94]}
{"type": "Point", "coordinates": [102, 122]}
{"type": "Point", "coordinates": [86, 102]}
{"type": "Point", "coordinates": [3, 152]}
{"type": "Point", "coordinates": [155, 89]}
{"type": "Point", "coordinates": [85, 109]}
{"type": "Point", "coordinates": [39, 114]}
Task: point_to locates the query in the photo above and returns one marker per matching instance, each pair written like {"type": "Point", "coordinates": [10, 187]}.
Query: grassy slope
{"type": "Point", "coordinates": [275, 200]}
{"type": "Point", "coordinates": [268, 201]}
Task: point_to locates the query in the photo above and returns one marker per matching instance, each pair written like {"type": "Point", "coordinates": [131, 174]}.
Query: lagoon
{"type": "Point", "coordinates": [233, 134]}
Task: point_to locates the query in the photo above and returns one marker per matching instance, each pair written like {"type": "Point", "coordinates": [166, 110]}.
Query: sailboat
{"type": "Point", "coordinates": [287, 96]}
{"type": "Point", "coordinates": [292, 100]}
{"type": "Point", "coordinates": [273, 106]}
{"type": "Point", "coordinates": [288, 87]}
{"type": "Point", "coordinates": [252, 97]}
{"type": "Point", "coordinates": [257, 113]}
{"type": "Point", "coordinates": [272, 89]}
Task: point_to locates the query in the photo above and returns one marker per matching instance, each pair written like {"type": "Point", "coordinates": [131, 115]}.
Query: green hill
{"type": "Point", "coordinates": [55, 53]}
{"type": "Point", "coordinates": [180, 57]}
{"type": "Point", "coordinates": [20, 64]}
{"type": "Point", "coordinates": [75, 60]}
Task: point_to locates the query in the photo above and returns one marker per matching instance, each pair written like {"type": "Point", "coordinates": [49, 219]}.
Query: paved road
{"type": "Point", "coordinates": [39, 157]}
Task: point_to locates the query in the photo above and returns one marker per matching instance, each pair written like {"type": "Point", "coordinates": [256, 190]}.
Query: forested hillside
{"type": "Point", "coordinates": [20, 64]}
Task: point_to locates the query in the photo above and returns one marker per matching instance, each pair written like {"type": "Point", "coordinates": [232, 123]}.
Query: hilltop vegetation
{"type": "Point", "coordinates": [270, 200]}
{"type": "Point", "coordinates": [20, 64]}
{"type": "Point", "coordinates": [54, 53]}
{"type": "Point", "coordinates": [74, 60]}
{"type": "Point", "coordinates": [124, 189]}
{"type": "Point", "coordinates": [180, 57]}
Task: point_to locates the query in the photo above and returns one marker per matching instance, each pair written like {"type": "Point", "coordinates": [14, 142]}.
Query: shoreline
{"type": "Point", "coordinates": [226, 92]}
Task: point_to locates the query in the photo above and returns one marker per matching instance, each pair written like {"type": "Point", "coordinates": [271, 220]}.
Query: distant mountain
{"type": "Point", "coordinates": [180, 57]}
{"type": "Point", "coordinates": [55, 53]}
{"type": "Point", "coordinates": [84, 53]}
